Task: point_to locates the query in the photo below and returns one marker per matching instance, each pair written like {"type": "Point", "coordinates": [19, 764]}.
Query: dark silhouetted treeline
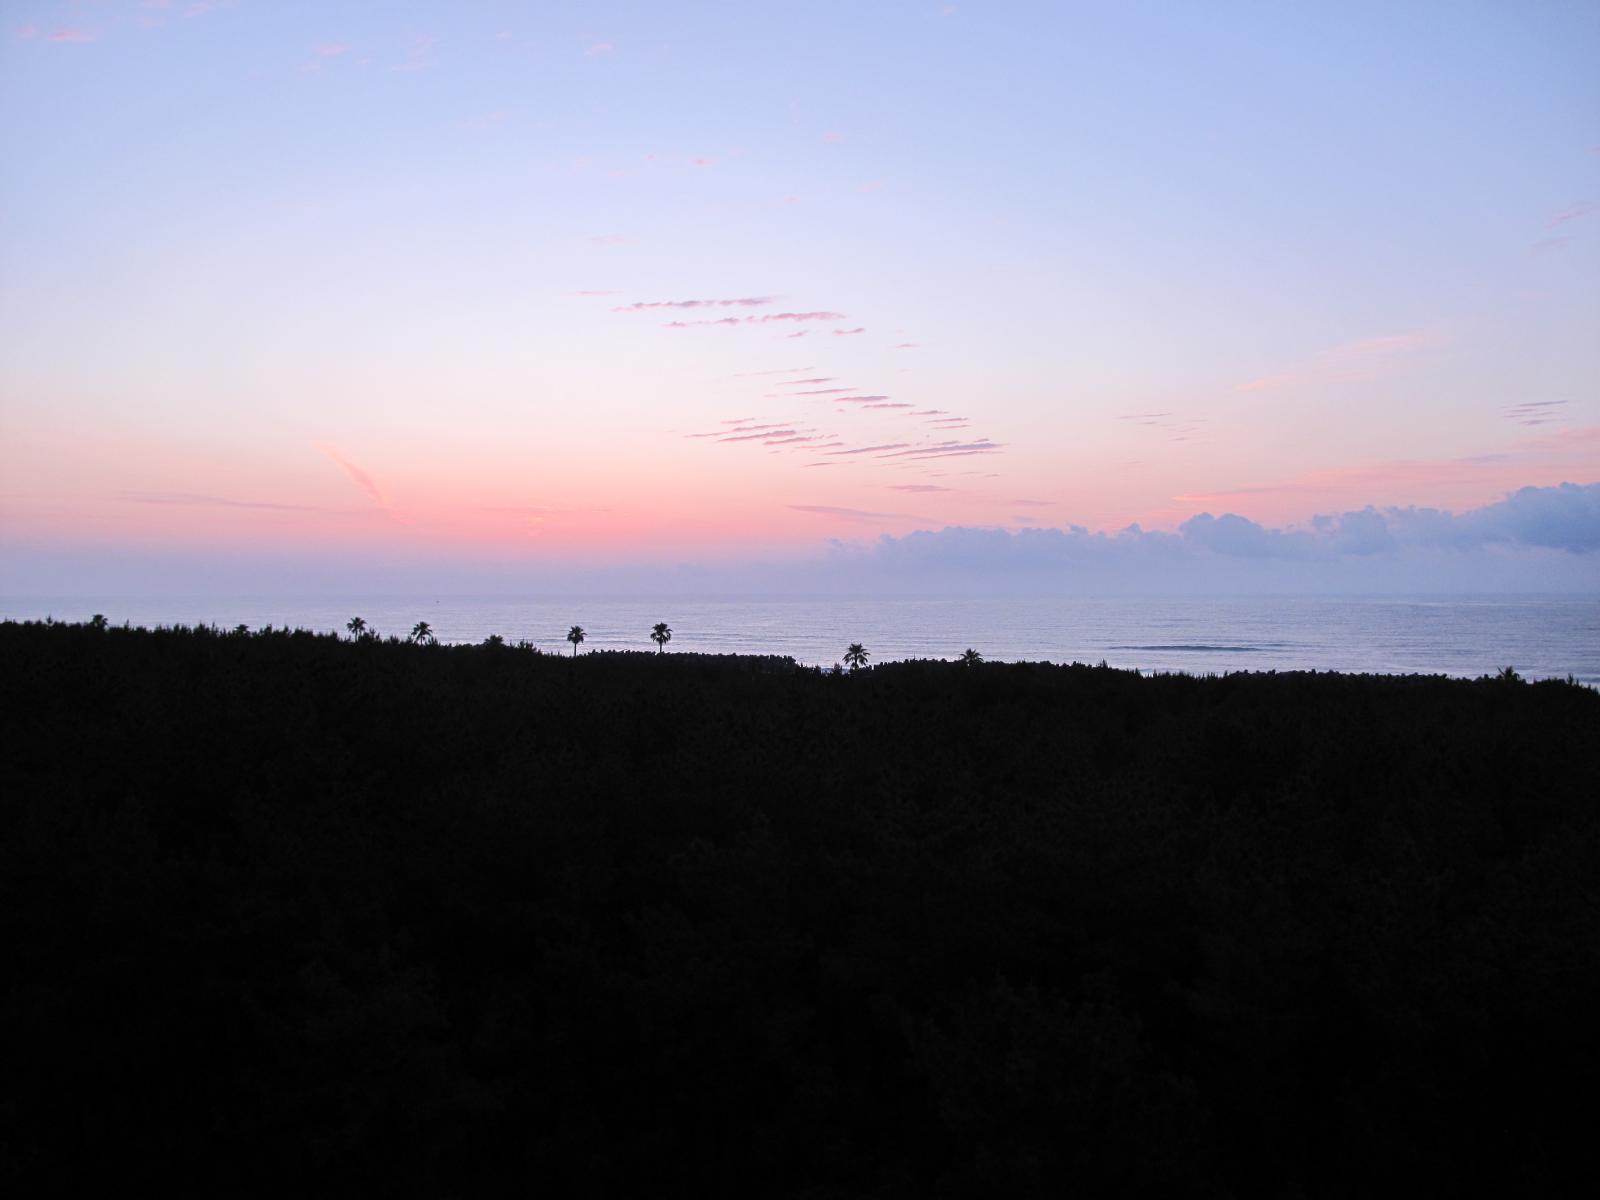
{"type": "Point", "coordinates": [287, 912]}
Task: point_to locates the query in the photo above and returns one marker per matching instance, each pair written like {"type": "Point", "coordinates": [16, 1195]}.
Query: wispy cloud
{"type": "Point", "coordinates": [69, 36]}
{"type": "Point", "coordinates": [200, 500]}
{"type": "Point", "coordinates": [598, 48]}
{"type": "Point", "coordinates": [906, 346]}
{"type": "Point", "coordinates": [420, 55]}
{"type": "Point", "coordinates": [1573, 212]}
{"type": "Point", "coordinates": [858, 399]}
{"type": "Point", "coordinates": [802, 382]}
{"type": "Point", "coordinates": [1536, 412]}
{"type": "Point", "coordinates": [870, 449]}
{"type": "Point", "coordinates": [853, 514]}
{"type": "Point", "coordinates": [918, 487]}
{"type": "Point", "coordinates": [761, 436]}
{"type": "Point", "coordinates": [763, 319]}
{"type": "Point", "coordinates": [1350, 361]}
{"type": "Point", "coordinates": [361, 479]}
{"type": "Point", "coordinates": [947, 450]}
{"type": "Point", "coordinates": [737, 302]}
{"type": "Point", "coordinates": [849, 332]}
{"type": "Point", "coordinates": [739, 425]}
{"type": "Point", "coordinates": [1033, 503]}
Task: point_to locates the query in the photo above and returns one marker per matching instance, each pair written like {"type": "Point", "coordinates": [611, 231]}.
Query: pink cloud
{"type": "Point", "coordinates": [362, 480]}
{"type": "Point", "coordinates": [799, 382]}
{"type": "Point", "coordinates": [832, 136]}
{"type": "Point", "coordinates": [702, 162]}
{"type": "Point", "coordinates": [1573, 213]}
{"type": "Point", "coordinates": [853, 514]}
{"type": "Point", "coordinates": [918, 487]}
{"type": "Point", "coordinates": [738, 302]}
{"type": "Point", "coordinates": [848, 332]}
{"type": "Point", "coordinates": [947, 450]}
{"type": "Point", "coordinates": [70, 36]}
{"type": "Point", "coordinates": [25, 33]}
{"type": "Point", "coordinates": [742, 436]}
{"type": "Point", "coordinates": [1541, 461]}
{"type": "Point", "coordinates": [906, 346]}
{"type": "Point", "coordinates": [1349, 361]}
{"type": "Point", "coordinates": [778, 371]}
{"type": "Point", "coordinates": [858, 399]}
{"type": "Point", "coordinates": [872, 449]}
{"type": "Point", "coordinates": [764, 319]}
{"type": "Point", "coordinates": [1536, 412]}
{"type": "Point", "coordinates": [329, 50]}
{"type": "Point", "coordinates": [598, 48]}
{"type": "Point", "coordinates": [420, 55]}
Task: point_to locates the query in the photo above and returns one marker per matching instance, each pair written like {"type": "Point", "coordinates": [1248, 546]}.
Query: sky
{"type": "Point", "coordinates": [478, 295]}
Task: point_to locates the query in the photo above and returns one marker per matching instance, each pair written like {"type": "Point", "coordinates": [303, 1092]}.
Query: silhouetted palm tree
{"type": "Point", "coordinates": [576, 635]}
{"type": "Point", "coordinates": [241, 630]}
{"type": "Point", "coordinates": [970, 657]}
{"type": "Point", "coordinates": [494, 639]}
{"type": "Point", "coordinates": [422, 634]}
{"type": "Point", "coordinates": [856, 656]}
{"type": "Point", "coordinates": [98, 621]}
{"type": "Point", "coordinates": [661, 635]}
{"type": "Point", "coordinates": [357, 626]}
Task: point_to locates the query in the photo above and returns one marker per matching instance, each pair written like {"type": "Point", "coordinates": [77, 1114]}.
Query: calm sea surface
{"type": "Point", "coordinates": [1541, 636]}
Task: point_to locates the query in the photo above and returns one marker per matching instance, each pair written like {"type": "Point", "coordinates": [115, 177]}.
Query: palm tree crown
{"type": "Point", "coordinates": [661, 635]}
{"type": "Point", "coordinates": [357, 626]}
{"type": "Point", "coordinates": [422, 633]}
{"type": "Point", "coordinates": [971, 657]}
{"type": "Point", "coordinates": [576, 635]}
{"type": "Point", "coordinates": [856, 656]}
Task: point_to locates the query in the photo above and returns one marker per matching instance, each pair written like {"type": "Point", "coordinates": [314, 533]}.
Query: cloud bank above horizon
{"type": "Point", "coordinates": [1535, 539]}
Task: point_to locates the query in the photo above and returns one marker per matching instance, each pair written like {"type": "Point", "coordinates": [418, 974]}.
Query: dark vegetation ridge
{"type": "Point", "coordinates": [284, 910]}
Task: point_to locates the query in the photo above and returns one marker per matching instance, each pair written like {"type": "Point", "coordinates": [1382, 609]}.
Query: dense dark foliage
{"type": "Point", "coordinates": [285, 910]}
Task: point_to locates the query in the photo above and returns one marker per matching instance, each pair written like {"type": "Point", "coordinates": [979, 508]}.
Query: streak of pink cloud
{"type": "Point", "coordinates": [1573, 212]}
{"type": "Point", "coordinates": [737, 302]}
{"type": "Point", "coordinates": [362, 480]}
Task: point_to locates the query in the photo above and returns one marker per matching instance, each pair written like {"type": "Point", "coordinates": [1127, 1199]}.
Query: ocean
{"type": "Point", "coordinates": [1541, 636]}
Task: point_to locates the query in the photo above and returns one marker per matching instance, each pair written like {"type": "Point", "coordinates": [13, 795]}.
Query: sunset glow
{"type": "Point", "coordinates": [598, 285]}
